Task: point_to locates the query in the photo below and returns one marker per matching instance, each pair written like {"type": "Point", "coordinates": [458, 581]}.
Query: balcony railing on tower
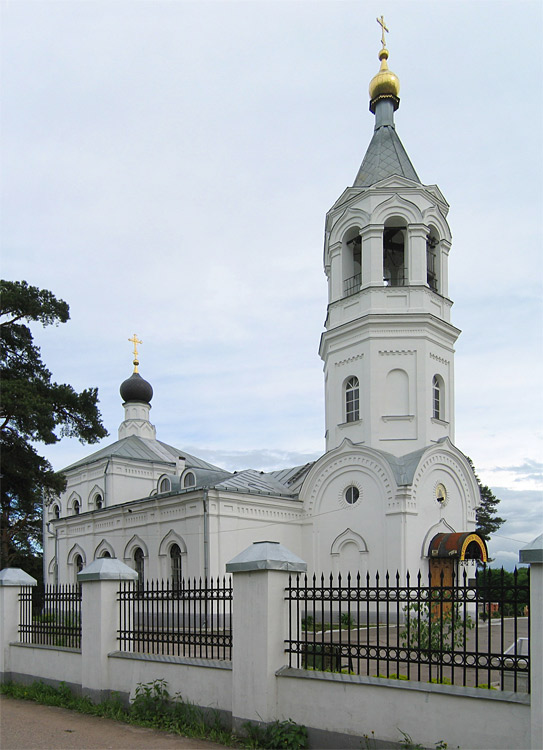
{"type": "Point", "coordinates": [352, 285]}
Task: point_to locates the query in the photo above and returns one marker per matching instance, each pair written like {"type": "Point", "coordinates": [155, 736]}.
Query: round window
{"type": "Point", "coordinates": [441, 494]}
{"type": "Point", "coordinates": [352, 494]}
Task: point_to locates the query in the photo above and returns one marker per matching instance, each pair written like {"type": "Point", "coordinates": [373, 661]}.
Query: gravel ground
{"type": "Point", "coordinates": [25, 725]}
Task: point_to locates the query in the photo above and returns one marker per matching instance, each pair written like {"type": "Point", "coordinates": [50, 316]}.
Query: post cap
{"type": "Point", "coordinates": [266, 556]}
{"type": "Point", "coordinates": [107, 568]}
{"type": "Point", "coordinates": [16, 577]}
{"type": "Point", "coordinates": [532, 552]}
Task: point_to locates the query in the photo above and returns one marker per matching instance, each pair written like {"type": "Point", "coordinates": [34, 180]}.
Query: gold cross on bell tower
{"type": "Point", "coordinates": [135, 340]}
{"type": "Point", "coordinates": [381, 22]}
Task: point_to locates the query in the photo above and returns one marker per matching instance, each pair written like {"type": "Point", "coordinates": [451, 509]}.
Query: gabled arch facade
{"type": "Point", "coordinates": [172, 537]}
{"type": "Point", "coordinates": [135, 542]}
{"type": "Point", "coordinates": [76, 550]}
{"type": "Point", "coordinates": [74, 501]}
{"type": "Point", "coordinates": [104, 549]}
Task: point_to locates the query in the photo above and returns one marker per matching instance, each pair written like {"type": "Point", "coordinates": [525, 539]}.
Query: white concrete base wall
{"type": "Point", "coordinates": [469, 718]}
{"type": "Point", "coordinates": [45, 662]}
{"type": "Point", "coordinates": [204, 683]}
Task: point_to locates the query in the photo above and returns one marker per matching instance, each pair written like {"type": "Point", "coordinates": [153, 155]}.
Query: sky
{"type": "Point", "coordinates": [166, 168]}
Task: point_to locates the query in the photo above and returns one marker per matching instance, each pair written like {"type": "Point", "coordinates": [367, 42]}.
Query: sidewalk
{"type": "Point", "coordinates": [25, 725]}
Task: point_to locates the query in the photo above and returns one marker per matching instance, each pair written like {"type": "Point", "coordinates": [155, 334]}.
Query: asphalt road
{"type": "Point", "coordinates": [25, 725]}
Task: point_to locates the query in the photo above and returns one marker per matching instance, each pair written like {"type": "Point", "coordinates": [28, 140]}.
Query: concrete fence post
{"type": "Point", "coordinates": [533, 554]}
{"type": "Point", "coordinates": [11, 582]}
{"type": "Point", "coordinates": [259, 628]}
{"type": "Point", "coordinates": [100, 621]}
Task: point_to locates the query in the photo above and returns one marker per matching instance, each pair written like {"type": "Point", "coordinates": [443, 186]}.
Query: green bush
{"type": "Point", "coordinates": [307, 622]}
{"type": "Point", "coordinates": [346, 620]}
{"type": "Point", "coordinates": [279, 734]}
{"type": "Point", "coordinates": [442, 633]}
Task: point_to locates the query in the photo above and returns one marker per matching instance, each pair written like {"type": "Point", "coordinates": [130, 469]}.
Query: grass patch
{"type": "Point", "coordinates": [154, 707]}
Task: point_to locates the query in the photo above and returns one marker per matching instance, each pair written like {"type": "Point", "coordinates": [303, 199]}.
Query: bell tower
{"type": "Point", "coordinates": [388, 344]}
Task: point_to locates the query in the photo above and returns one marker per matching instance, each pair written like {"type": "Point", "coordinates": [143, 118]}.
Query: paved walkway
{"type": "Point", "coordinates": [25, 725]}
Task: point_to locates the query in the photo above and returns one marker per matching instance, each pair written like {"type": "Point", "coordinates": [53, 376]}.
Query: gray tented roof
{"type": "Point", "coordinates": [255, 482]}
{"type": "Point", "coordinates": [385, 157]}
{"type": "Point", "coordinates": [143, 449]}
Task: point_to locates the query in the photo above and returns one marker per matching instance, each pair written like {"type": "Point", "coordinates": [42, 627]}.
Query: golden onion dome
{"type": "Point", "coordinates": [385, 83]}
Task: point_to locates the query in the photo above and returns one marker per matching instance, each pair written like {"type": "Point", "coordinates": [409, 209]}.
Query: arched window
{"type": "Point", "coordinates": [139, 564]}
{"type": "Point", "coordinates": [106, 553]}
{"type": "Point", "coordinates": [78, 565]}
{"type": "Point", "coordinates": [164, 485]}
{"type": "Point", "coordinates": [394, 256]}
{"type": "Point", "coordinates": [98, 502]}
{"type": "Point", "coordinates": [438, 398]}
{"type": "Point", "coordinates": [352, 400]}
{"type": "Point", "coordinates": [175, 561]}
{"type": "Point", "coordinates": [56, 511]}
{"type": "Point", "coordinates": [77, 507]}
{"type": "Point", "coordinates": [189, 480]}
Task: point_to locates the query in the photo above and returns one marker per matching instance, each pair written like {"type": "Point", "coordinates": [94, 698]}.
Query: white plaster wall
{"type": "Point", "coordinates": [469, 718]}
{"type": "Point", "coordinates": [235, 523]}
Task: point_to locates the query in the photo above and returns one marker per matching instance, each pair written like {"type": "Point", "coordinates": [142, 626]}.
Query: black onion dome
{"type": "Point", "coordinates": [136, 389]}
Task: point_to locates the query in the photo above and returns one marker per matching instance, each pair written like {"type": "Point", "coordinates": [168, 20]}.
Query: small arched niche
{"type": "Point", "coordinates": [397, 393]}
{"type": "Point", "coordinates": [394, 252]}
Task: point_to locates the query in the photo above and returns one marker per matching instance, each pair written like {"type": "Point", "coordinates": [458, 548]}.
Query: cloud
{"type": "Point", "coordinates": [530, 469]}
{"type": "Point", "coordinates": [263, 460]}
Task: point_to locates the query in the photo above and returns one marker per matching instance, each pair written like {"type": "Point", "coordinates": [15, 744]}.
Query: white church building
{"type": "Point", "coordinates": [391, 492]}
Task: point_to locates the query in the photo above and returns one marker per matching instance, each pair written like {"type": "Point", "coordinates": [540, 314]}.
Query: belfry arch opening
{"type": "Point", "coordinates": [432, 260]}
{"type": "Point", "coordinates": [394, 253]}
{"type": "Point", "coordinates": [352, 262]}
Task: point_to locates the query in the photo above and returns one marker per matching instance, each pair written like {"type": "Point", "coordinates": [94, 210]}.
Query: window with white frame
{"type": "Point", "coordinates": [437, 398]}
{"type": "Point", "coordinates": [189, 480]}
{"type": "Point", "coordinates": [175, 563]}
{"type": "Point", "coordinates": [78, 565]}
{"type": "Point", "coordinates": [165, 485]}
{"type": "Point", "coordinates": [139, 565]}
{"type": "Point", "coordinates": [352, 400]}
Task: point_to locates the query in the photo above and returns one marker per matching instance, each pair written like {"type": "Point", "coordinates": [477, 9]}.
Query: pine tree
{"type": "Point", "coordinates": [487, 520]}
{"type": "Point", "coordinates": [33, 409]}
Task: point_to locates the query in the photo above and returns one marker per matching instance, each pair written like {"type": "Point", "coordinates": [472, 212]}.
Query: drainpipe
{"type": "Point", "coordinates": [206, 534]}
{"type": "Point", "coordinates": [105, 482]}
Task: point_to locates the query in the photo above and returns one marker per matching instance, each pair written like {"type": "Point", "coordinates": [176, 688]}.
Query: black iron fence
{"type": "Point", "coordinates": [191, 618]}
{"type": "Point", "coordinates": [50, 615]}
{"type": "Point", "coordinates": [472, 632]}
